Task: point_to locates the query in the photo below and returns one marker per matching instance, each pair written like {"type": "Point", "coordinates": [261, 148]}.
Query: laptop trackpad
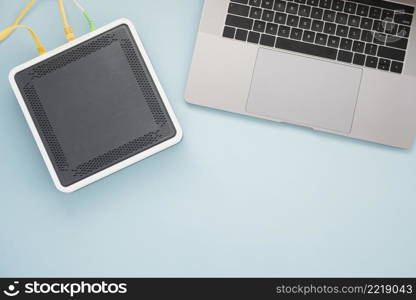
{"type": "Point", "coordinates": [306, 91]}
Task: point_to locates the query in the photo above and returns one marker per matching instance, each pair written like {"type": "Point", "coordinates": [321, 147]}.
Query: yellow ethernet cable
{"type": "Point", "coordinates": [9, 30]}
{"type": "Point", "coordinates": [87, 17]}
{"type": "Point", "coordinates": [67, 28]}
{"type": "Point", "coordinates": [19, 18]}
{"type": "Point", "coordinates": [5, 33]}
{"type": "Point", "coordinates": [24, 12]}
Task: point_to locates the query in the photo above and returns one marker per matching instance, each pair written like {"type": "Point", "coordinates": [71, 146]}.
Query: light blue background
{"type": "Point", "coordinates": [238, 197]}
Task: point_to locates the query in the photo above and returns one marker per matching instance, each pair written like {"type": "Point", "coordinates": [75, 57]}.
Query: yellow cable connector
{"type": "Point", "coordinates": [5, 33]}
{"type": "Point", "coordinates": [69, 33]}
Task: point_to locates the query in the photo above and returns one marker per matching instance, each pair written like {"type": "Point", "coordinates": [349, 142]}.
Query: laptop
{"type": "Point", "coordinates": [343, 67]}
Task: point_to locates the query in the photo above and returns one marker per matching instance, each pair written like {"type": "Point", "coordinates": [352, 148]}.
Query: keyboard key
{"type": "Point", "coordinates": [240, 22]}
{"type": "Point", "coordinates": [363, 10]}
{"type": "Point", "coordinates": [375, 12]}
{"type": "Point", "coordinates": [238, 9]}
{"type": "Point", "coordinates": [346, 44]}
{"type": "Point", "coordinates": [342, 31]}
{"type": "Point", "coordinates": [330, 28]}
{"type": "Point", "coordinates": [321, 39]}
{"type": "Point", "coordinates": [255, 3]}
{"type": "Point", "coordinates": [379, 38]}
{"type": "Point", "coordinates": [292, 21]}
{"type": "Point", "coordinates": [280, 18]}
{"type": "Point", "coordinates": [329, 16]}
{"type": "Point", "coordinates": [354, 33]}
{"type": "Point", "coordinates": [403, 31]}
{"type": "Point", "coordinates": [280, 5]}
{"type": "Point", "coordinates": [271, 28]}
{"type": "Point", "coordinates": [313, 2]}
{"type": "Point", "coordinates": [268, 4]}
{"type": "Point", "coordinates": [379, 26]}
{"type": "Point", "coordinates": [396, 67]}
{"type": "Point", "coordinates": [284, 31]}
{"type": "Point", "coordinates": [253, 37]}
{"type": "Point", "coordinates": [391, 53]}
{"type": "Point", "coordinates": [350, 8]}
{"type": "Point", "coordinates": [334, 41]}
{"type": "Point", "coordinates": [391, 28]}
{"type": "Point", "coordinates": [267, 40]}
{"type": "Point", "coordinates": [305, 23]}
{"type": "Point", "coordinates": [371, 62]}
{"type": "Point", "coordinates": [384, 64]}
{"type": "Point", "coordinates": [306, 48]}
{"type": "Point", "coordinates": [397, 42]}
{"type": "Point", "coordinates": [241, 35]}
{"type": "Point", "coordinates": [317, 26]}
{"type": "Point", "coordinates": [296, 34]}
{"type": "Point", "coordinates": [240, 1]}
{"type": "Point", "coordinates": [338, 5]}
{"type": "Point", "coordinates": [354, 21]}
{"type": "Point", "coordinates": [366, 23]}
{"type": "Point", "coordinates": [268, 16]}
{"type": "Point", "coordinates": [259, 26]}
{"type": "Point", "coordinates": [304, 11]}
{"type": "Point", "coordinates": [317, 13]}
{"type": "Point", "coordinates": [371, 49]}
{"type": "Point", "coordinates": [341, 18]}
{"type": "Point", "coordinates": [255, 13]}
{"type": "Point", "coordinates": [403, 19]}
{"type": "Point", "coordinates": [359, 59]}
{"type": "Point", "coordinates": [367, 36]}
{"type": "Point", "coordinates": [292, 8]}
{"type": "Point", "coordinates": [387, 15]}
{"type": "Point", "coordinates": [358, 46]}
{"type": "Point", "coordinates": [325, 4]}
{"type": "Point", "coordinates": [228, 32]}
{"type": "Point", "coordinates": [345, 56]}
{"type": "Point", "coordinates": [309, 36]}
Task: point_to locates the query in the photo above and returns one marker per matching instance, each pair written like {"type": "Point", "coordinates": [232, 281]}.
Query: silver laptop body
{"type": "Point", "coordinates": [344, 67]}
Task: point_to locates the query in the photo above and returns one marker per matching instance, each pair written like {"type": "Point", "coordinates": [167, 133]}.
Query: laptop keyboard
{"type": "Point", "coordinates": [366, 33]}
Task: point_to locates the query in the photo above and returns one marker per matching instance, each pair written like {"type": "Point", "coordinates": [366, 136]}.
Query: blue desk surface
{"type": "Point", "coordinates": [238, 197]}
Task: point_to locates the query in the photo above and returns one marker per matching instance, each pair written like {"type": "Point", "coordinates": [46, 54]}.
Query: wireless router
{"type": "Point", "coordinates": [95, 106]}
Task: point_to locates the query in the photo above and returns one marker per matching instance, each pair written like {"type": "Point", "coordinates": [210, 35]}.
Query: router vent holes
{"type": "Point", "coordinates": [142, 80]}
{"type": "Point", "coordinates": [114, 155]}
{"type": "Point", "coordinates": [46, 127]}
{"type": "Point", "coordinates": [73, 55]}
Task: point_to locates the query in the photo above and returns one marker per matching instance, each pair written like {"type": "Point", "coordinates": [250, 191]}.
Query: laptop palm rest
{"type": "Point", "coordinates": [306, 91]}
